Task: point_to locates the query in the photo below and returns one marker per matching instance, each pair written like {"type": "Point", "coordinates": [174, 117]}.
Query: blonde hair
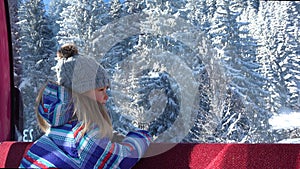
{"type": "Point", "coordinates": [86, 110]}
{"type": "Point", "coordinates": [43, 124]}
{"type": "Point", "coordinates": [91, 112]}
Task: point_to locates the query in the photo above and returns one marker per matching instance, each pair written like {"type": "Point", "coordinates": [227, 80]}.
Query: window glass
{"type": "Point", "coordinates": [209, 71]}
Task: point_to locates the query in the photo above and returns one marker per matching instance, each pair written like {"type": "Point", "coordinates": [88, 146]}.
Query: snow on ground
{"type": "Point", "coordinates": [286, 121]}
{"type": "Point", "coordinates": [291, 140]}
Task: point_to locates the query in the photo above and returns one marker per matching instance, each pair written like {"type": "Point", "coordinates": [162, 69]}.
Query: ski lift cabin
{"type": "Point", "coordinates": [179, 156]}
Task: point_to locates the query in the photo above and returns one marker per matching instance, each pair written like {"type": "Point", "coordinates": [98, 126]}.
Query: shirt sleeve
{"type": "Point", "coordinates": [102, 153]}
{"type": "Point", "coordinates": [136, 144]}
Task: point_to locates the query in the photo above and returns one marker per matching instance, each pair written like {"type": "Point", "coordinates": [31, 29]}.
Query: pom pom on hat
{"type": "Point", "coordinates": [77, 72]}
{"type": "Point", "coordinates": [67, 50]}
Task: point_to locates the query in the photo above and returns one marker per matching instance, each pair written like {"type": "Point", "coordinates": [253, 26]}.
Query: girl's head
{"type": "Point", "coordinates": [88, 81]}
{"type": "Point", "coordinates": [80, 73]}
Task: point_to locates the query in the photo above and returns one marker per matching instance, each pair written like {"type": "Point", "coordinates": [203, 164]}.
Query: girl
{"type": "Point", "coordinates": [78, 129]}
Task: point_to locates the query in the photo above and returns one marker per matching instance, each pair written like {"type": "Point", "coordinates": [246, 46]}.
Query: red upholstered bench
{"type": "Point", "coordinates": [12, 152]}
{"type": "Point", "coordinates": [222, 156]}
{"type": "Point", "coordinates": [183, 156]}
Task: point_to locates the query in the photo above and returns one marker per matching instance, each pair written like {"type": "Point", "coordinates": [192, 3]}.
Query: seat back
{"type": "Point", "coordinates": [191, 155]}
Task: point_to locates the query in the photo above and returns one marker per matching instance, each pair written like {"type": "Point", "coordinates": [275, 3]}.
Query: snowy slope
{"type": "Point", "coordinates": [286, 121]}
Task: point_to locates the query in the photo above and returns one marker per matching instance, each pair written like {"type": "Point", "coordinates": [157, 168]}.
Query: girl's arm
{"type": "Point", "coordinates": [103, 153]}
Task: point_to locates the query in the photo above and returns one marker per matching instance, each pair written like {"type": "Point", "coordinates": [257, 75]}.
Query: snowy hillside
{"type": "Point", "coordinates": [286, 121]}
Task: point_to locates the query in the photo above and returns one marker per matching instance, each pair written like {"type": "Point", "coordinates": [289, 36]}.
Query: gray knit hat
{"type": "Point", "coordinates": [81, 73]}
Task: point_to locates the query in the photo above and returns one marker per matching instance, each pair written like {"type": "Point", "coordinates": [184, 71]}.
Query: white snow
{"type": "Point", "coordinates": [291, 140]}
{"type": "Point", "coordinates": [286, 121]}
{"type": "Point", "coordinates": [25, 82]}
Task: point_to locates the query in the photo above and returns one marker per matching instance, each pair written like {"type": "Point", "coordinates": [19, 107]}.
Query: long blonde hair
{"type": "Point", "coordinates": [91, 112]}
{"type": "Point", "coordinates": [86, 110]}
{"type": "Point", "coordinates": [43, 124]}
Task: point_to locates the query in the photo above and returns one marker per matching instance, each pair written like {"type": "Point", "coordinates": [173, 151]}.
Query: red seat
{"type": "Point", "coordinates": [222, 156]}
{"type": "Point", "coordinates": [197, 156]}
{"type": "Point", "coordinates": [12, 152]}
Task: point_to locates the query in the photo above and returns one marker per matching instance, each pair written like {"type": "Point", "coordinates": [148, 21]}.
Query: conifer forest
{"type": "Point", "coordinates": [200, 71]}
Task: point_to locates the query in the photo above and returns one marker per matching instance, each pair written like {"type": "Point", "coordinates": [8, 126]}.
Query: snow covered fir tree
{"type": "Point", "coordinates": [213, 71]}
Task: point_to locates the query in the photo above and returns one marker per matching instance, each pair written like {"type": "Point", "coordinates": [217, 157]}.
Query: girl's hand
{"type": "Point", "coordinates": [117, 137]}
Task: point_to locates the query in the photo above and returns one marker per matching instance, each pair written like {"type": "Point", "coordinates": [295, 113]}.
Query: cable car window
{"type": "Point", "coordinates": [192, 71]}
